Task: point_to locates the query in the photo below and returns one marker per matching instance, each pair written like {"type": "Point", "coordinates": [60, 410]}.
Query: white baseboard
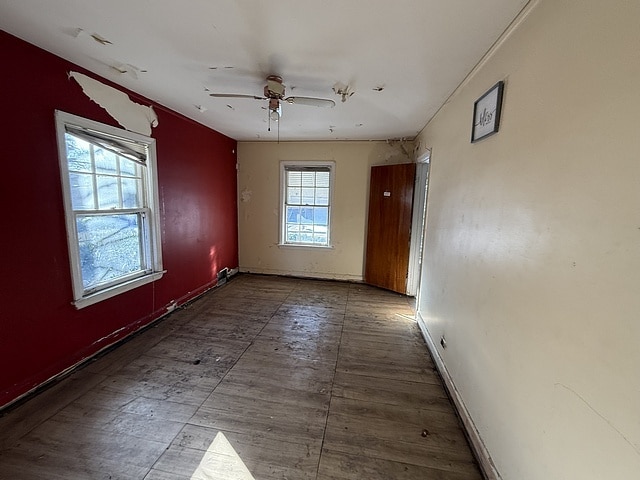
{"type": "Point", "coordinates": [296, 274]}
{"type": "Point", "coordinates": [480, 450]}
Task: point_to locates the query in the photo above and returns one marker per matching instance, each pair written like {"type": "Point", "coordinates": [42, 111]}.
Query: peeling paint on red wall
{"type": "Point", "coordinates": [41, 333]}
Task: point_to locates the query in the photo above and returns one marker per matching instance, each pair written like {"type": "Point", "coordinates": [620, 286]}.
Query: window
{"type": "Point", "coordinates": [110, 198]}
{"type": "Point", "coordinates": [306, 203]}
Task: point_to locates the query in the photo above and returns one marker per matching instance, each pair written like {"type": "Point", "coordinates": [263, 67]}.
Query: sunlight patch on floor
{"type": "Point", "coordinates": [221, 462]}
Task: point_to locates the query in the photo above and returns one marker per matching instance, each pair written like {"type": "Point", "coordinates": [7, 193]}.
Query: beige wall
{"type": "Point", "coordinates": [532, 268]}
{"type": "Point", "coordinates": [259, 191]}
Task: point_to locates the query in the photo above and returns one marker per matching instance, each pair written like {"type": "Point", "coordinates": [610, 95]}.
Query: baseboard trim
{"type": "Point", "coordinates": [136, 329]}
{"type": "Point", "coordinates": [485, 462]}
{"type": "Point", "coordinates": [343, 277]}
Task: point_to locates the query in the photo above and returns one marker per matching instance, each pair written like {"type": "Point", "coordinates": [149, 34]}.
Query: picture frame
{"type": "Point", "coordinates": [486, 113]}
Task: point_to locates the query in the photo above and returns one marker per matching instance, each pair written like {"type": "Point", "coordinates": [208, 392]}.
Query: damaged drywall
{"type": "Point", "coordinates": [245, 196]}
{"type": "Point", "coordinates": [131, 115]}
{"type": "Point", "coordinates": [393, 151]}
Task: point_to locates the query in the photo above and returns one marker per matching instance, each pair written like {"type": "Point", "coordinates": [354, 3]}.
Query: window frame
{"type": "Point", "coordinates": [150, 218]}
{"type": "Point", "coordinates": [284, 166]}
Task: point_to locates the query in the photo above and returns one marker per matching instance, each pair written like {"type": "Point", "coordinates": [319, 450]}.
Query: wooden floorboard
{"type": "Point", "coordinates": [281, 377]}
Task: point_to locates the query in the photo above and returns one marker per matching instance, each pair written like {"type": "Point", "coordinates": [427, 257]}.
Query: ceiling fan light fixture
{"type": "Point", "coordinates": [275, 109]}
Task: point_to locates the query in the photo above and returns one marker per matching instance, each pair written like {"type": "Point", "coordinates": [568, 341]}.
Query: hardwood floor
{"type": "Point", "coordinates": [265, 378]}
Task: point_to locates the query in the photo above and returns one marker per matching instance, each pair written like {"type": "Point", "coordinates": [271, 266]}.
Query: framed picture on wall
{"type": "Point", "coordinates": [486, 113]}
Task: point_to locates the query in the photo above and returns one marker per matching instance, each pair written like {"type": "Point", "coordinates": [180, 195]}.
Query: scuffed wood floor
{"type": "Point", "coordinates": [302, 379]}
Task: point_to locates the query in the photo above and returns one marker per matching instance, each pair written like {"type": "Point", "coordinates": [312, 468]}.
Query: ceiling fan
{"type": "Point", "coordinates": [274, 91]}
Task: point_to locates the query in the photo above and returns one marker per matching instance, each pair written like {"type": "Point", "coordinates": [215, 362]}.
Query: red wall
{"type": "Point", "coordinates": [41, 333]}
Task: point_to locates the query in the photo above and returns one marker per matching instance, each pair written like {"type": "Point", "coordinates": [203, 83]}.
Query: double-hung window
{"type": "Point", "coordinates": [306, 203]}
{"type": "Point", "coordinates": [111, 207]}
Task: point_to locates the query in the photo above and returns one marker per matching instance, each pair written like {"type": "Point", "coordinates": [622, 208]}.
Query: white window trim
{"type": "Point", "coordinates": [80, 298]}
{"type": "Point", "coordinates": [283, 193]}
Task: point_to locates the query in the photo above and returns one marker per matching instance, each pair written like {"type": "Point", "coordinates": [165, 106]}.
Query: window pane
{"type": "Point", "coordinates": [106, 161]}
{"type": "Point", "coordinates": [306, 215]}
{"type": "Point", "coordinates": [320, 238]}
{"type": "Point", "coordinates": [109, 247]}
{"type": "Point", "coordinates": [127, 167]}
{"type": "Point", "coordinates": [78, 154]}
{"type": "Point", "coordinates": [108, 194]}
{"type": "Point", "coordinates": [322, 179]}
{"type": "Point", "coordinates": [81, 191]}
{"type": "Point", "coordinates": [293, 214]}
{"type": "Point", "coordinates": [321, 216]}
{"type": "Point", "coordinates": [305, 237]}
{"type": "Point", "coordinates": [308, 196]}
{"type": "Point", "coordinates": [294, 179]}
{"type": "Point", "coordinates": [293, 195]}
{"type": "Point", "coordinates": [322, 196]}
{"type": "Point", "coordinates": [292, 237]}
{"type": "Point", "coordinates": [308, 179]}
{"type": "Point", "coordinates": [130, 195]}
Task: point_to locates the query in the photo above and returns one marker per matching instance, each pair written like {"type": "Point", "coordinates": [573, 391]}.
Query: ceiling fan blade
{"type": "Point", "coordinates": [314, 102]}
{"type": "Point", "coordinates": [234, 95]}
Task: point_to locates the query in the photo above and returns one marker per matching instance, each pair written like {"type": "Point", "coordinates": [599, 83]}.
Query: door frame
{"type": "Point", "coordinates": [418, 222]}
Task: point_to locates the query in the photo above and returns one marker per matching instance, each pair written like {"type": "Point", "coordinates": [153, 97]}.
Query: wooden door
{"type": "Point", "coordinates": [389, 226]}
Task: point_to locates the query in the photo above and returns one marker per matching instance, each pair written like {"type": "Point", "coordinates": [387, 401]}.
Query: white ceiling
{"type": "Point", "coordinates": [403, 58]}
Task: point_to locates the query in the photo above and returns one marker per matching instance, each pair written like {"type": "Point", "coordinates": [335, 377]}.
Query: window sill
{"type": "Point", "coordinates": [305, 245]}
{"type": "Point", "coordinates": [117, 290]}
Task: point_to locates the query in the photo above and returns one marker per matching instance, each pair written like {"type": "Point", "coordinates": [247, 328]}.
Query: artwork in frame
{"type": "Point", "coordinates": [486, 113]}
